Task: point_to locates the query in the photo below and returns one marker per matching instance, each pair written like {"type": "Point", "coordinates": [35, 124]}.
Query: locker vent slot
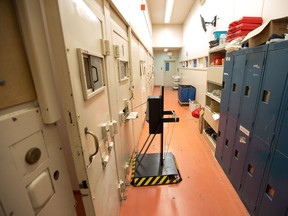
{"type": "Point", "coordinates": [234, 87]}
{"type": "Point", "coordinates": [266, 96]}
{"type": "Point", "coordinates": [270, 192]}
{"type": "Point", "coordinates": [250, 170]}
{"type": "Point", "coordinates": [223, 85]}
{"type": "Point", "coordinates": [226, 143]}
{"type": "Point", "coordinates": [237, 154]}
{"type": "Point", "coordinates": [247, 91]}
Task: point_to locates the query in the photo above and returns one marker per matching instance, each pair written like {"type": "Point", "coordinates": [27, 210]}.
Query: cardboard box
{"type": "Point", "coordinates": [261, 34]}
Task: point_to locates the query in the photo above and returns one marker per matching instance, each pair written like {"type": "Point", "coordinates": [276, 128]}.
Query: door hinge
{"type": "Point", "coordinates": [105, 47]}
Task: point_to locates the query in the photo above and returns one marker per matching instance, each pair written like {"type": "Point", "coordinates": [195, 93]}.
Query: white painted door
{"type": "Point", "coordinates": [122, 87]}
{"type": "Point", "coordinates": [169, 71]}
{"type": "Point", "coordinates": [137, 102]}
{"type": "Point", "coordinates": [34, 178]}
{"type": "Point", "coordinates": [81, 64]}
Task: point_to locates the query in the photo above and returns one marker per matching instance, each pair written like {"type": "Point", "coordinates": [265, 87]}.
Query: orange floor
{"type": "Point", "coordinates": [204, 190]}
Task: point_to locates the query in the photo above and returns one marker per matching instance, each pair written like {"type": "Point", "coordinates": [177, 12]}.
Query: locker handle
{"type": "Point", "coordinates": [95, 141]}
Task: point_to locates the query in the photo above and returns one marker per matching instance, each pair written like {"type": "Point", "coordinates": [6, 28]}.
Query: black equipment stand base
{"type": "Point", "coordinates": [150, 172]}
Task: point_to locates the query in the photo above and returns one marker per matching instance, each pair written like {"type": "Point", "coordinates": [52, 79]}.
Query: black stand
{"type": "Point", "coordinates": [154, 169]}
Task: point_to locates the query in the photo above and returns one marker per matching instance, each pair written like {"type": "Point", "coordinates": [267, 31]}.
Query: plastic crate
{"type": "Point", "coordinates": [186, 93]}
{"type": "Point", "coordinates": [217, 34]}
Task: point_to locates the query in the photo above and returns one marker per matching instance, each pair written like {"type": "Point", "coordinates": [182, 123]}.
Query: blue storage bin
{"type": "Point", "coordinates": [218, 33]}
{"type": "Point", "coordinates": [186, 93]}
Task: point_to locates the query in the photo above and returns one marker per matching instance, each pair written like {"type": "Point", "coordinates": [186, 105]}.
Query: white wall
{"type": "Point", "coordinates": [159, 67]}
{"type": "Point", "coordinates": [196, 41]}
{"type": "Point", "coordinates": [167, 36]}
{"type": "Point", "coordinates": [138, 20]}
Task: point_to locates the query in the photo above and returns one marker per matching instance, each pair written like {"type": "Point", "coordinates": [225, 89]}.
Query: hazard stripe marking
{"type": "Point", "coordinates": [162, 180]}
{"type": "Point", "coordinates": [140, 183]}
{"type": "Point", "coordinates": [154, 182]}
{"type": "Point", "coordinates": [148, 181]}
{"type": "Point", "coordinates": [135, 180]}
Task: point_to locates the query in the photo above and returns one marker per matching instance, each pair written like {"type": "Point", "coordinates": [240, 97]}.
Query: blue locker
{"type": "Point", "coordinates": [282, 144]}
{"type": "Point", "coordinates": [275, 194]}
{"type": "Point", "coordinates": [271, 94]}
{"type": "Point", "coordinates": [254, 169]}
{"type": "Point", "coordinates": [233, 109]}
{"type": "Point", "coordinates": [275, 191]}
{"type": "Point", "coordinates": [252, 79]}
{"type": "Point", "coordinates": [236, 84]}
{"type": "Point", "coordinates": [238, 158]}
{"type": "Point", "coordinates": [228, 144]}
{"type": "Point", "coordinates": [225, 93]}
{"type": "Point", "coordinates": [271, 91]}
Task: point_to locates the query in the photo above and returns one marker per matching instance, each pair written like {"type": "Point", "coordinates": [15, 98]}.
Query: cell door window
{"type": "Point", "coordinates": [91, 73]}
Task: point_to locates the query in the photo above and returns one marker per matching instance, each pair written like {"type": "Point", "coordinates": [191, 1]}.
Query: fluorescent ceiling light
{"type": "Point", "coordinates": [168, 10]}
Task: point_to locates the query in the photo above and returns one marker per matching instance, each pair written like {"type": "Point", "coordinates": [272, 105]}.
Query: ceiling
{"type": "Point", "coordinates": [180, 11]}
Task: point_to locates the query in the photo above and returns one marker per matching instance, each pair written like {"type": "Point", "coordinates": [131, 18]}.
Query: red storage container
{"type": "Point", "coordinates": [257, 20]}
{"type": "Point", "coordinates": [242, 27]}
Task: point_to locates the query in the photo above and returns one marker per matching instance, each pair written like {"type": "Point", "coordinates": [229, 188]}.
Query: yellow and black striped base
{"type": "Point", "coordinates": [150, 172]}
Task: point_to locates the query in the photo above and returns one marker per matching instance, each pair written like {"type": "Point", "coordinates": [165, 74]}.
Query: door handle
{"type": "Point", "coordinates": [95, 142]}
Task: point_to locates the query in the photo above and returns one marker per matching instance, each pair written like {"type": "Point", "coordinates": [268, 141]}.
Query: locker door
{"type": "Point", "coordinates": [228, 144]}
{"type": "Point", "coordinates": [271, 94]}
{"type": "Point", "coordinates": [236, 84]}
{"type": "Point", "coordinates": [275, 191]}
{"type": "Point", "coordinates": [225, 93]}
{"type": "Point", "coordinates": [275, 197]}
{"type": "Point", "coordinates": [234, 102]}
{"type": "Point", "coordinates": [249, 97]}
{"type": "Point", "coordinates": [272, 91]}
{"type": "Point", "coordinates": [282, 145]}
{"type": "Point", "coordinates": [253, 172]}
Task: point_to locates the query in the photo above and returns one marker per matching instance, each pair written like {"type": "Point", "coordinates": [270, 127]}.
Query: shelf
{"type": "Point", "coordinates": [191, 68]}
{"type": "Point", "coordinates": [215, 74]}
{"type": "Point", "coordinates": [209, 94]}
{"type": "Point", "coordinates": [220, 48]}
{"type": "Point", "coordinates": [210, 140]}
{"type": "Point", "coordinates": [199, 63]}
{"type": "Point", "coordinates": [208, 117]}
{"type": "Point", "coordinates": [214, 84]}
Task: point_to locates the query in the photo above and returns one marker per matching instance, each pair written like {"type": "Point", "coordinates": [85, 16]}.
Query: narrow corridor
{"type": "Point", "coordinates": [204, 190]}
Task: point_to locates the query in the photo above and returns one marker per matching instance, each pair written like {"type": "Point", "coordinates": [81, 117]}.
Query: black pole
{"type": "Point", "coordinates": [162, 132]}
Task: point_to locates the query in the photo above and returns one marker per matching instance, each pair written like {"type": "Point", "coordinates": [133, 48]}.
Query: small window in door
{"type": "Point", "coordinates": [123, 70]}
{"type": "Point", "coordinates": [91, 73]}
{"type": "Point", "coordinates": [167, 66]}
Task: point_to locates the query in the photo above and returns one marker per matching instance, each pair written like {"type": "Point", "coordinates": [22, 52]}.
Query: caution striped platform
{"type": "Point", "coordinates": [151, 173]}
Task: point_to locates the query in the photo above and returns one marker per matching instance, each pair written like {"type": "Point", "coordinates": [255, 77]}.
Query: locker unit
{"type": "Point", "coordinates": [233, 108]}
{"type": "Point", "coordinates": [275, 191]}
{"type": "Point", "coordinates": [225, 93]}
{"type": "Point", "coordinates": [269, 104]}
{"type": "Point", "coordinates": [251, 83]}
{"type": "Point", "coordinates": [257, 162]}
